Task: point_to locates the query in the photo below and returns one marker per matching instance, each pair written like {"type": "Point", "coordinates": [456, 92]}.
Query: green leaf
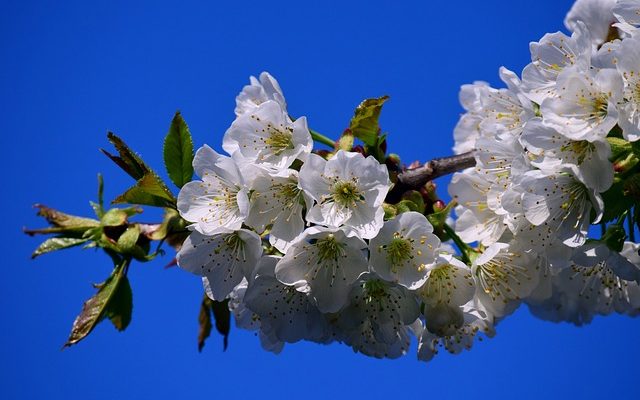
{"type": "Point", "coordinates": [58, 243]}
{"type": "Point", "coordinates": [364, 124]}
{"type": "Point", "coordinates": [67, 222]}
{"type": "Point", "coordinates": [416, 198]}
{"type": "Point", "coordinates": [113, 300]}
{"type": "Point", "coordinates": [616, 201]}
{"type": "Point", "coordinates": [120, 307]}
{"type": "Point", "coordinates": [129, 161]}
{"type": "Point", "coordinates": [614, 237]}
{"type": "Point", "coordinates": [149, 188]}
{"type": "Point", "coordinates": [114, 217]}
{"type": "Point", "coordinates": [178, 152]}
{"type": "Point", "coordinates": [222, 316]}
{"type": "Point", "coordinates": [204, 319]}
{"type": "Point", "coordinates": [129, 238]}
{"type": "Point", "coordinates": [620, 148]}
{"type": "Point", "coordinates": [147, 191]}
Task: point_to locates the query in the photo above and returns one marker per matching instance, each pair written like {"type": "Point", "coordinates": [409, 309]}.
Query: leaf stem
{"type": "Point", "coordinates": [462, 246]}
{"type": "Point", "coordinates": [320, 138]}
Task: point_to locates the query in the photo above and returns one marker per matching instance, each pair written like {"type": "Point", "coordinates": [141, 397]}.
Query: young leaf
{"type": "Point", "coordinates": [111, 301]}
{"type": "Point", "coordinates": [148, 191]}
{"type": "Point", "coordinates": [120, 307]}
{"type": "Point", "coordinates": [68, 222]}
{"type": "Point", "coordinates": [149, 188]}
{"type": "Point", "coordinates": [204, 319]}
{"type": "Point", "coordinates": [57, 243]}
{"type": "Point", "coordinates": [178, 151]}
{"type": "Point", "coordinates": [364, 124]}
{"type": "Point", "coordinates": [129, 161]}
{"type": "Point", "coordinates": [616, 201]}
{"type": "Point", "coordinates": [222, 316]}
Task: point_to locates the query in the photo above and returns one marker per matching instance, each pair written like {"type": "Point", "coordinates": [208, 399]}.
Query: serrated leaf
{"type": "Point", "coordinates": [147, 191]}
{"type": "Point", "coordinates": [111, 300]}
{"type": "Point", "coordinates": [58, 243]}
{"type": "Point", "coordinates": [66, 221]}
{"type": "Point", "coordinates": [178, 152]}
{"type": "Point", "coordinates": [120, 307]}
{"type": "Point", "coordinates": [364, 124]}
{"type": "Point", "coordinates": [129, 161]}
{"type": "Point", "coordinates": [149, 188]}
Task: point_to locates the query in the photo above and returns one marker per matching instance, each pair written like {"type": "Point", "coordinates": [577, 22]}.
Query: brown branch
{"type": "Point", "coordinates": [417, 177]}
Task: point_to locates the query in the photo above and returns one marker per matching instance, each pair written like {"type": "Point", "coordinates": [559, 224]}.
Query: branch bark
{"type": "Point", "coordinates": [417, 177]}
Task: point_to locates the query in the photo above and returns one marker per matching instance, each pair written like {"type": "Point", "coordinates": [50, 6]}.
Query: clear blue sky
{"type": "Point", "coordinates": [70, 72]}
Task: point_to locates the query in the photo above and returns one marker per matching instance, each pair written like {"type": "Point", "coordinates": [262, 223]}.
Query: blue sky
{"type": "Point", "coordinates": [72, 71]}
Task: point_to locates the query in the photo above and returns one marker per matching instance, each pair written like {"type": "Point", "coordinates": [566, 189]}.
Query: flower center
{"type": "Point", "coordinates": [346, 193]}
{"type": "Point", "coordinates": [289, 194]}
{"type": "Point", "coordinates": [399, 250]}
{"type": "Point", "coordinates": [235, 244]}
{"type": "Point", "coordinates": [500, 277]}
{"type": "Point", "coordinates": [439, 285]}
{"type": "Point", "coordinates": [596, 105]}
{"type": "Point", "coordinates": [374, 290]}
{"type": "Point", "coordinates": [580, 148]}
{"type": "Point", "coordinates": [279, 140]}
{"type": "Point", "coordinates": [329, 249]}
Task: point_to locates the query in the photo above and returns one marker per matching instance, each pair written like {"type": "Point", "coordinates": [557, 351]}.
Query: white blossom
{"type": "Point", "coordinates": [476, 220]}
{"type": "Point", "coordinates": [378, 320]}
{"type": "Point", "coordinates": [588, 161]}
{"type": "Point", "coordinates": [550, 56]}
{"type": "Point", "coordinates": [349, 190]}
{"type": "Point", "coordinates": [220, 200]}
{"type": "Point", "coordinates": [224, 259]}
{"type": "Point", "coordinates": [586, 106]}
{"type": "Point", "coordinates": [325, 262]}
{"type": "Point", "coordinates": [449, 281]}
{"type": "Point", "coordinates": [467, 130]}
{"type": "Point", "coordinates": [629, 67]}
{"type": "Point", "coordinates": [561, 201]}
{"type": "Point", "coordinates": [259, 91]}
{"type": "Point", "coordinates": [290, 313]}
{"type": "Point", "coordinates": [456, 329]}
{"type": "Point", "coordinates": [403, 250]}
{"type": "Point", "coordinates": [627, 11]}
{"type": "Point", "coordinates": [597, 281]}
{"type": "Point", "coordinates": [267, 138]}
{"type": "Point", "coordinates": [597, 15]}
{"type": "Point", "coordinates": [504, 275]}
{"type": "Point", "coordinates": [247, 319]}
{"type": "Point", "coordinates": [278, 202]}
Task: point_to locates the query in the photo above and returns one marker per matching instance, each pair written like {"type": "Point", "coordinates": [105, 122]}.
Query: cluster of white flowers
{"type": "Point", "coordinates": [301, 246]}
{"type": "Point", "coordinates": [543, 161]}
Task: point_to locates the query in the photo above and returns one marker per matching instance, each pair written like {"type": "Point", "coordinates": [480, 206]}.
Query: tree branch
{"type": "Point", "coordinates": [417, 177]}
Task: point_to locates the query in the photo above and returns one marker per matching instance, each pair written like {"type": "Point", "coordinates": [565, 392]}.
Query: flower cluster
{"type": "Point", "coordinates": [549, 152]}
{"type": "Point", "coordinates": [307, 245]}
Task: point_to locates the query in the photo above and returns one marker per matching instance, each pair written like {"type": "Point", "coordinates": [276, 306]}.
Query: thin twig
{"type": "Point", "coordinates": [417, 177]}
